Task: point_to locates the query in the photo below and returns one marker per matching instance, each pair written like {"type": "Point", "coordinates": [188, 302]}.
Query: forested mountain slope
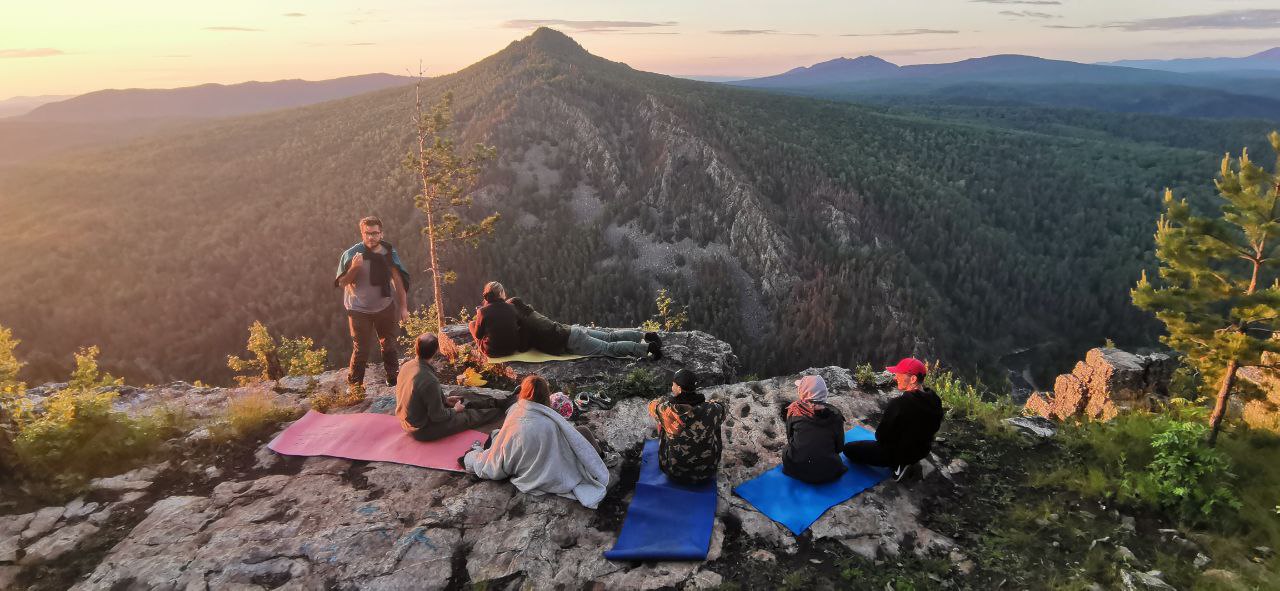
{"type": "Point", "coordinates": [804, 232]}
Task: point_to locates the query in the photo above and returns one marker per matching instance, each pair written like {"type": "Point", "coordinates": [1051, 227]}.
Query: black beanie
{"type": "Point", "coordinates": [687, 380]}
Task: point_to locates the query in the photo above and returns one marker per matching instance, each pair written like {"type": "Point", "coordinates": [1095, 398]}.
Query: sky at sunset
{"type": "Point", "coordinates": [62, 47]}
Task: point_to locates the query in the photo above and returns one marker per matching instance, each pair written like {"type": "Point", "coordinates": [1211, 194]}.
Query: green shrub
{"type": "Point", "coordinates": [78, 435]}
{"type": "Point", "coordinates": [249, 415]}
{"type": "Point", "coordinates": [420, 321]}
{"type": "Point", "coordinates": [669, 318]}
{"type": "Point", "coordinates": [337, 397]}
{"type": "Point", "coordinates": [865, 375]}
{"type": "Point", "coordinates": [271, 361]}
{"type": "Point", "coordinates": [1186, 476]}
{"type": "Point", "coordinates": [469, 356]}
{"type": "Point", "coordinates": [1156, 460]}
{"type": "Point", "coordinates": [640, 383]}
{"type": "Point", "coordinates": [9, 364]}
{"type": "Point", "coordinates": [966, 400]}
{"type": "Point", "coordinates": [11, 392]}
{"type": "Point", "coordinates": [800, 579]}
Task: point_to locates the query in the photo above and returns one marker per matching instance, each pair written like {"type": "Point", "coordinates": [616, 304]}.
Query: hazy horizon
{"type": "Point", "coordinates": [150, 44]}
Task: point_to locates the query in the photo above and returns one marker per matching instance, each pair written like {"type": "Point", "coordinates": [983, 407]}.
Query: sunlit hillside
{"type": "Point", "coordinates": [804, 232]}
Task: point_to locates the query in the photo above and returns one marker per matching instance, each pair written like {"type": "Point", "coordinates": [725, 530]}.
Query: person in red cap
{"type": "Point", "coordinates": [906, 430]}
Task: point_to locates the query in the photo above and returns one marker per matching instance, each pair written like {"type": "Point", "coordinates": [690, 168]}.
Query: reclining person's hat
{"type": "Point", "coordinates": [910, 366]}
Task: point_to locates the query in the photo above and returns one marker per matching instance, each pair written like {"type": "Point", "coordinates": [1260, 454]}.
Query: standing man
{"type": "Point", "coordinates": [906, 430]}
{"type": "Point", "coordinates": [375, 289]}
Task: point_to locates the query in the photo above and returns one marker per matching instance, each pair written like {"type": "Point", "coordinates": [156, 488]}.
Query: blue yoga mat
{"type": "Point", "coordinates": [666, 521]}
{"type": "Point", "coordinates": [797, 504]}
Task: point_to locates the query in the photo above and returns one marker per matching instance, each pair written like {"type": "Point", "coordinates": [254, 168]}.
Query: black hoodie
{"type": "Point", "coordinates": [496, 328]}
{"type": "Point", "coordinates": [909, 424]}
{"type": "Point", "coordinates": [813, 446]}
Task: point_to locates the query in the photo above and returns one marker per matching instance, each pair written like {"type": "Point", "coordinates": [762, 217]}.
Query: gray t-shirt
{"type": "Point", "coordinates": [363, 296]}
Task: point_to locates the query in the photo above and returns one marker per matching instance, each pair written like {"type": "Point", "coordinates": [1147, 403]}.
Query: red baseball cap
{"type": "Point", "coordinates": [908, 365]}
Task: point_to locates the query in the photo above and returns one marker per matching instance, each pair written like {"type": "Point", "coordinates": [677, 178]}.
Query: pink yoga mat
{"type": "Point", "coordinates": [371, 437]}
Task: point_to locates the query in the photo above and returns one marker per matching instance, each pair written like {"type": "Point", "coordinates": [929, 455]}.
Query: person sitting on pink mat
{"type": "Point", "coordinates": [424, 412]}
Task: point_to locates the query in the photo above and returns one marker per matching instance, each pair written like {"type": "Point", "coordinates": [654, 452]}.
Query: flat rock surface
{"type": "Point", "coordinates": [334, 523]}
{"type": "Point", "coordinates": [344, 524]}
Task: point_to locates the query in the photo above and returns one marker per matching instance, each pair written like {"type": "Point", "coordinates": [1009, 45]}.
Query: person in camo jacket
{"type": "Point", "coordinates": [689, 442]}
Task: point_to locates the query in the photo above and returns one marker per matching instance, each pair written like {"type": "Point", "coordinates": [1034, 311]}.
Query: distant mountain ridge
{"type": "Point", "coordinates": [1268, 60]}
{"type": "Point", "coordinates": [1003, 67]}
{"type": "Point", "coordinates": [1027, 80]}
{"type": "Point", "coordinates": [21, 105]}
{"type": "Point", "coordinates": [208, 100]}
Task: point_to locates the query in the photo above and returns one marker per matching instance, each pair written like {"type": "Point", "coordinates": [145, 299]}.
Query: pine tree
{"type": "Point", "coordinates": [1220, 299]}
{"type": "Point", "coordinates": [447, 178]}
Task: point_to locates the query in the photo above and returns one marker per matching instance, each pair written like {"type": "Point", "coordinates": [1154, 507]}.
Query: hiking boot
{"type": "Point", "coordinates": [391, 381]}
{"type": "Point", "coordinates": [651, 337]}
{"type": "Point", "coordinates": [655, 350]}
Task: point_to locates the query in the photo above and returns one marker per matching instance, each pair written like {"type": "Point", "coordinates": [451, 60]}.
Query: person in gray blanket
{"type": "Point", "coordinates": [540, 451]}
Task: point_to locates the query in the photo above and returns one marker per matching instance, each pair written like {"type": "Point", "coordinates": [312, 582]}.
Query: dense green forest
{"type": "Point", "coordinates": [805, 232]}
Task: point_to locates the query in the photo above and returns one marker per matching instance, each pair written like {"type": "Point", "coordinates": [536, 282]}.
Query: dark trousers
{"type": "Point", "coordinates": [363, 326]}
{"type": "Point", "coordinates": [480, 411]}
{"type": "Point", "coordinates": [870, 453]}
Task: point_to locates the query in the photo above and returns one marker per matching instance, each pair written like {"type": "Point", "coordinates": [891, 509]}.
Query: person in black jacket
{"type": "Point", "coordinates": [496, 327]}
{"type": "Point", "coordinates": [815, 435]}
{"type": "Point", "coordinates": [910, 421]}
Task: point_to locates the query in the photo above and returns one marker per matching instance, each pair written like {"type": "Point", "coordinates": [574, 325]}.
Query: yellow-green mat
{"type": "Point", "coordinates": [534, 356]}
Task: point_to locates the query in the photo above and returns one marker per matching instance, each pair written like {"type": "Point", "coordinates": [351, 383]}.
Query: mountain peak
{"type": "Point", "coordinates": [1270, 54]}
{"type": "Point", "coordinates": [553, 42]}
{"type": "Point", "coordinates": [861, 62]}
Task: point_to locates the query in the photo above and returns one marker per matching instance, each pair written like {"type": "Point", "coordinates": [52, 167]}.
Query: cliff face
{"type": "Point", "coordinates": [259, 520]}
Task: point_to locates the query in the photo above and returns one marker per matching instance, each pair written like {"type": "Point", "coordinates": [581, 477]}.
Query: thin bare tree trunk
{"type": "Point", "coordinates": [447, 347]}
{"type": "Point", "coordinates": [1224, 394]}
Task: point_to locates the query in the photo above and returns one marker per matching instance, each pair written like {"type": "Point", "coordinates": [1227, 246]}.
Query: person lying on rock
{"type": "Point", "coordinates": [910, 421]}
{"type": "Point", "coordinates": [541, 452]}
{"type": "Point", "coordinates": [424, 412]}
{"type": "Point", "coordinates": [546, 335]}
{"type": "Point", "coordinates": [689, 442]}
{"type": "Point", "coordinates": [815, 435]}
